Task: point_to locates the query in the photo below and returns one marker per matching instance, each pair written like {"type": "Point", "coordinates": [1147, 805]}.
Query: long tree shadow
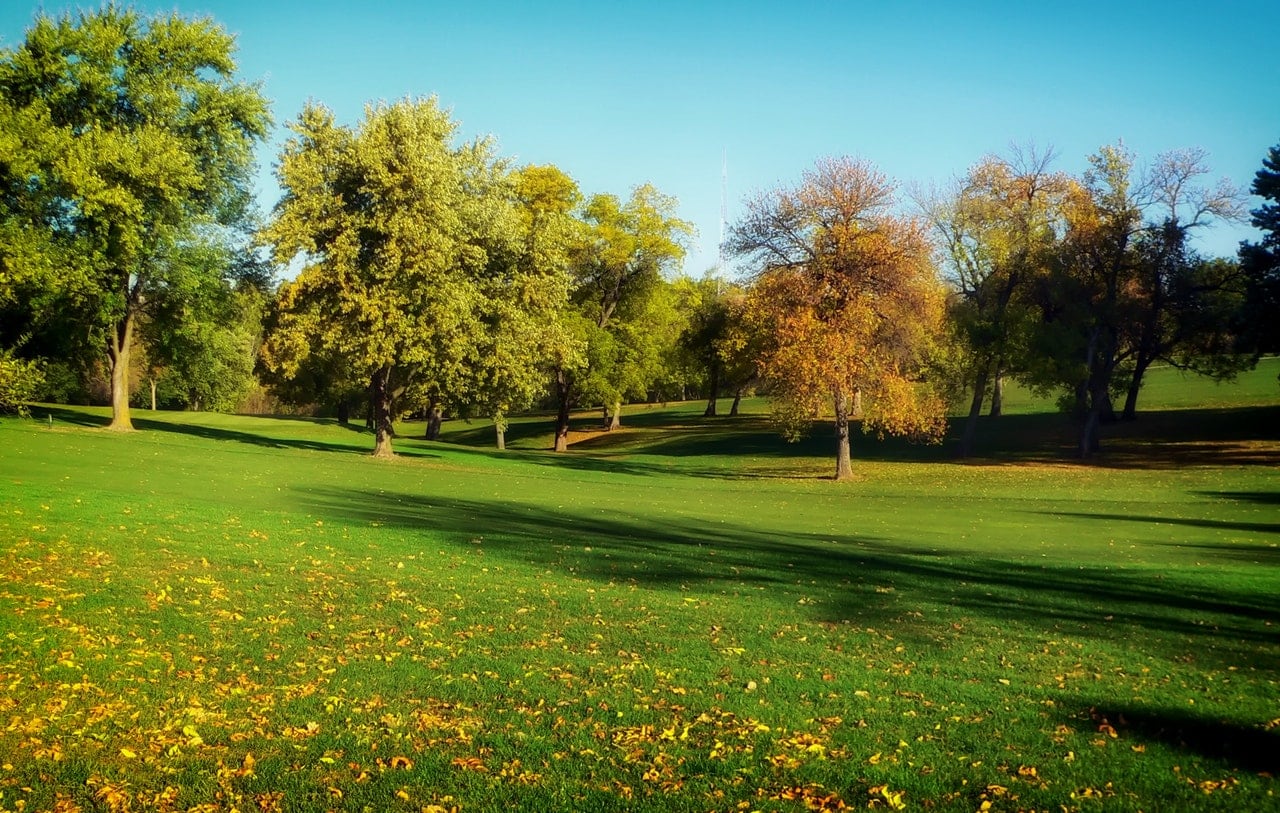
{"type": "Point", "coordinates": [1216, 524]}
{"type": "Point", "coordinates": [847, 573]}
{"type": "Point", "coordinates": [1234, 744]}
{"type": "Point", "coordinates": [343, 444]}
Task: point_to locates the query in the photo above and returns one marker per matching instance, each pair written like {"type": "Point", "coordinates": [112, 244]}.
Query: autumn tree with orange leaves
{"type": "Point", "coordinates": [848, 299]}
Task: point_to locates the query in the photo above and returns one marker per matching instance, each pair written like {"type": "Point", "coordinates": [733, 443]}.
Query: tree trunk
{"type": "Point", "coordinates": [1100, 363]}
{"type": "Point", "coordinates": [380, 402]}
{"type": "Point", "coordinates": [856, 411]}
{"type": "Point", "coordinates": [344, 412]}
{"type": "Point", "coordinates": [435, 417]}
{"type": "Point", "coordinates": [710, 411]}
{"type": "Point", "coordinates": [563, 396]}
{"type": "Point", "coordinates": [1135, 383]}
{"type": "Point", "coordinates": [153, 393]}
{"type": "Point", "coordinates": [997, 394]}
{"type": "Point", "coordinates": [502, 436]}
{"type": "Point", "coordinates": [1090, 442]}
{"type": "Point", "coordinates": [121, 342]}
{"type": "Point", "coordinates": [737, 401]}
{"type": "Point", "coordinates": [844, 467]}
{"type": "Point", "coordinates": [975, 412]}
{"type": "Point", "coordinates": [615, 421]}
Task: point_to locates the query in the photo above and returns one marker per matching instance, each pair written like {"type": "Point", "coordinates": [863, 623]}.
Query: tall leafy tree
{"type": "Point", "coordinates": [1125, 289]}
{"type": "Point", "coordinates": [998, 234]}
{"type": "Point", "coordinates": [1260, 261]}
{"type": "Point", "coordinates": [618, 269]}
{"type": "Point", "coordinates": [1180, 308]}
{"type": "Point", "coordinates": [523, 299]}
{"type": "Point", "coordinates": [395, 226]}
{"type": "Point", "coordinates": [848, 296]}
{"type": "Point", "coordinates": [136, 143]}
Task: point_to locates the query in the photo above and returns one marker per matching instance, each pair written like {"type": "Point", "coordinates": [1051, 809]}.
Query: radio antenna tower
{"type": "Point", "coordinates": [724, 193]}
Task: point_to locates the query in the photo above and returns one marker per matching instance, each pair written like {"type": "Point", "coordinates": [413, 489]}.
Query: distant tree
{"type": "Point", "coordinates": [1260, 262]}
{"type": "Point", "coordinates": [395, 228]}
{"type": "Point", "coordinates": [201, 346]}
{"type": "Point", "coordinates": [617, 271]}
{"type": "Point", "coordinates": [706, 325]}
{"type": "Point", "coordinates": [135, 143]}
{"type": "Point", "coordinates": [998, 233]}
{"type": "Point", "coordinates": [849, 299]}
{"type": "Point", "coordinates": [1176, 301]}
{"type": "Point", "coordinates": [1124, 289]}
{"type": "Point", "coordinates": [523, 300]}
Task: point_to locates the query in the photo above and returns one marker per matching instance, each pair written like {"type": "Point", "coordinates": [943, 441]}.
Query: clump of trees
{"type": "Point", "coordinates": [433, 276]}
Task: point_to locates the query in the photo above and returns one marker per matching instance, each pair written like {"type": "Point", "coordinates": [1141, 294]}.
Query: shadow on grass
{"type": "Point", "coordinates": [850, 578]}
{"type": "Point", "coordinates": [1258, 497]}
{"type": "Point", "coordinates": [180, 427]}
{"type": "Point", "coordinates": [749, 447]}
{"type": "Point", "coordinates": [1237, 746]}
{"type": "Point", "coordinates": [1215, 524]}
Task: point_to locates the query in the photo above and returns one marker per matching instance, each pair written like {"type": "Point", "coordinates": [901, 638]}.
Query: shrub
{"type": "Point", "coordinates": [20, 379]}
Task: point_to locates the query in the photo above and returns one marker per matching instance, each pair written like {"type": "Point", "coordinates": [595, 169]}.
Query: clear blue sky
{"type": "Point", "coordinates": [618, 94]}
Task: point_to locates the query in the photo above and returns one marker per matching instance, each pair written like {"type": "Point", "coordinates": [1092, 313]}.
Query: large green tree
{"type": "Point", "coordinates": [135, 143]}
{"type": "Point", "coordinates": [1260, 261]}
{"type": "Point", "coordinates": [397, 230]}
{"type": "Point", "coordinates": [618, 273]}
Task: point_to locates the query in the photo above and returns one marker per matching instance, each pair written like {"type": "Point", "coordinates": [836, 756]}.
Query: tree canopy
{"type": "Point", "coordinates": [133, 144]}
{"type": "Point", "coordinates": [849, 299]}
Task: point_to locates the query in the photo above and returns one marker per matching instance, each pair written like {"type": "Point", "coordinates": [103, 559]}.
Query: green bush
{"type": "Point", "coordinates": [20, 379]}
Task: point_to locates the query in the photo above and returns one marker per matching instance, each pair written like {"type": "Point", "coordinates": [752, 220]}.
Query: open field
{"type": "Point", "coordinates": [225, 612]}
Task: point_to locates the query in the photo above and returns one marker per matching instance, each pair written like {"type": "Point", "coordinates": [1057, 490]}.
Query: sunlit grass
{"type": "Point", "coordinates": [251, 613]}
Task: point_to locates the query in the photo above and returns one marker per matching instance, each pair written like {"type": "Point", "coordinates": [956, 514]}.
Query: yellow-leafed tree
{"type": "Point", "coordinates": [848, 300]}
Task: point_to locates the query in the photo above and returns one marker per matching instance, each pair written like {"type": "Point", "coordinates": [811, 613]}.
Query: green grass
{"type": "Point", "coordinates": [251, 613]}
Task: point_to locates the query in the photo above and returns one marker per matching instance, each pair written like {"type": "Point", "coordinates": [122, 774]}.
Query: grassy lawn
{"type": "Point", "coordinates": [223, 612]}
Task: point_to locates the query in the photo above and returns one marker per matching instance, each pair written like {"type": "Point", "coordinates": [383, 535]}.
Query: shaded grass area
{"type": "Point", "coordinates": [250, 613]}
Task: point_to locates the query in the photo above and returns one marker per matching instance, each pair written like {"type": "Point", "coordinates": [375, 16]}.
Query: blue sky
{"type": "Point", "coordinates": [618, 94]}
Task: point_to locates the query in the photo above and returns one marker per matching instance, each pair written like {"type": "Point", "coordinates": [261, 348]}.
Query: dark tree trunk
{"type": "Point", "coordinates": [1135, 384]}
{"type": "Point", "coordinates": [121, 344]}
{"type": "Point", "coordinates": [380, 403]}
{"type": "Point", "coordinates": [344, 411]}
{"type": "Point", "coordinates": [435, 417]}
{"type": "Point", "coordinates": [1100, 361]}
{"type": "Point", "coordinates": [737, 401]}
{"type": "Point", "coordinates": [564, 395]}
{"type": "Point", "coordinates": [975, 412]}
{"type": "Point", "coordinates": [844, 466]}
{"type": "Point", "coordinates": [997, 394]}
{"type": "Point", "coordinates": [710, 411]}
{"type": "Point", "coordinates": [1081, 408]}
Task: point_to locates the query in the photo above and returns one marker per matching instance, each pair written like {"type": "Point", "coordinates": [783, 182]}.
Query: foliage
{"type": "Point", "coordinates": [620, 312]}
{"type": "Point", "coordinates": [202, 348]}
{"type": "Point", "coordinates": [1260, 262]}
{"type": "Point", "coordinates": [998, 233]}
{"type": "Point", "coordinates": [397, 228]}
{"type": "Point", "coordinates": [20, 381]}
{"type": "Point", "coordinates": [849, 300]}
{"type": "Point", "coordinates": [1125, 290]}
{"type": "Point", "coordinates": [135, 142]}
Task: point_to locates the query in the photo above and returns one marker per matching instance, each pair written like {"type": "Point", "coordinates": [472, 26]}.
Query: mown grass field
{"type": "Point", "coordinates": [222, 612]}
